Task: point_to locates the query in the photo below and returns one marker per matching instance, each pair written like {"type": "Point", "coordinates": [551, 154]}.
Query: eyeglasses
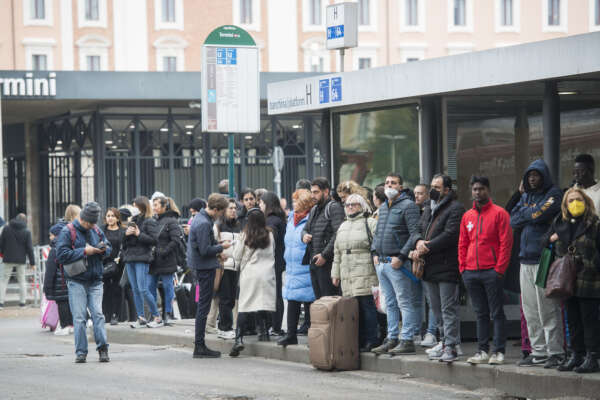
{"type": "Point", "coordinates": [351, 204]}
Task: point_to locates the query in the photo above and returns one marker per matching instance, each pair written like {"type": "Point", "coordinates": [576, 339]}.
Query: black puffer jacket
{"type": "Point", "coordinates": [278, 226]}
{"type": "Point", "coordinates": [441, 228]}
{"type": "Point", "coordinates": [55, 283]}
{"type": "Point", "coordinates": [323, 229]}
{"type": "Point", "coordinates": [138, 249]}
{"type": "Point", "coordinates": [15, 243]}
{"type": "Point", "coordinates": [168, 232]}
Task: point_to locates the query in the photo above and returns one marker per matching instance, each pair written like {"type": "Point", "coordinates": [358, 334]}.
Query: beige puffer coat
{"type": "Point", "coordinates": [352, 261]}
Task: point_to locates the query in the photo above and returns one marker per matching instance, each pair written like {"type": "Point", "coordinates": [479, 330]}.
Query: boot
{"type": "Point", "coordinates": [201, 351]}
{"type": "Point", "coordinates": [261, 324]}
{"type": "Point", "coordinates": [574, 361]}
{"type": "Point", "coordinates": [287, 340]}
{"type": "Point", "coordinates": [103, 354]}
{"type": "Point", "coordinates": [238, 346]}
{"type": "Point", "coordinates": [590, 364]}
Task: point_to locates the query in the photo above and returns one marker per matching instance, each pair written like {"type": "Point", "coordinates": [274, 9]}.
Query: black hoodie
{"type": "Point", "coordinates": [168, 232]}
{"type": "Point", "coordinates": [15, 243]}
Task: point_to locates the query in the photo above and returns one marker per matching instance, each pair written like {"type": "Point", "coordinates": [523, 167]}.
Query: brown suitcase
{"type": "Point", "coordinates": [333, 333]}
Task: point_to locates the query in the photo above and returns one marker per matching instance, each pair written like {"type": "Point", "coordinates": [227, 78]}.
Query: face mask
{"type": "Point", "coordinates": [391, 193]}
{"type": "Point", "coordinates": [434, 195]}
{"type": "Point", "coordinates": [576, 208]}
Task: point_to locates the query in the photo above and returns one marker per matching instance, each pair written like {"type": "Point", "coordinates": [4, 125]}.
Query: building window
{"type": "Point", "coordinates": [39, 62]}
{"type": "Point", "coordinates": [92, 63]}
{"type": "Point", "coordinates": [168, 10]}
{"type": "Point", "coordinates": [38, 9]}
{"type": "Point", "coordinates": [315, 17]}
{"type": "Point", "coordinates": [364, 63]}
{"type": "Point", "coordinates": [246, 12]}
{"type": "Point", "coordinates": [554, 12]}
{"type": "Point", "coordinates": [317, 64]}
{"type": "Point", "coordinates": [92, 10]}
{"type": "Point", "coordinates": [506, 12]}
{"type": "Point", "coordinates": [170, 64]}
{"type": "Point", "coordinates": [364, 12]}
{"type": "Point", "coordinates": [554, 15]}
{"type": "Point", "coordinates": [412, 12]}
{"type": "Point", "coordinates": [460, 13]}
{"type": "Point", "coordinates": [506, 15]}
{"type": "Point", "coordinates": [316, 55]}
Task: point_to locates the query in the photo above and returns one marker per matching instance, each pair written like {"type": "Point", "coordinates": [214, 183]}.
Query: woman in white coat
{"type": "Point", "coordinates": [254, 255]}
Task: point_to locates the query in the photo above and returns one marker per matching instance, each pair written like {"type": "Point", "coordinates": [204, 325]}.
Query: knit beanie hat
{"type": "Point", "coordinates": [90, 212]}
{"type": "Point", "coordinates": [197, 204]}
{"type": "Point", "coordinates": [125, 213]}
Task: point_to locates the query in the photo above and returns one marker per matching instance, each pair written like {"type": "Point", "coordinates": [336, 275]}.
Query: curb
{"type": "Point", "coordinates": [509, 379]}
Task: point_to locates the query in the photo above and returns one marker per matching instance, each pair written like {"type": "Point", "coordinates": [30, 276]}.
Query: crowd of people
{"type": "Point", "coordinates": [404, 254]}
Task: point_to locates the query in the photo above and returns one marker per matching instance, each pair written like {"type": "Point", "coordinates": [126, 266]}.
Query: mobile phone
{"type": "Point", "coordinates": [131, 224]}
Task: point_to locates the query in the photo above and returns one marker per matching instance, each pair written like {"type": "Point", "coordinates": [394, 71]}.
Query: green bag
{"type": "Point", "coordinates": [546, 260]}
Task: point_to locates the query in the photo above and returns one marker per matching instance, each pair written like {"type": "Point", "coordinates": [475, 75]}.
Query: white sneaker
{"type": "Point", "coordinates": [481, 357]}
{"type": "Point", "coordinates": [458, 349]}
{"type": "Point", "coordinates": [61, 331]}
{"type": "Point", "coordinates": [71, 329]}
{"type": "Point", "coordinates": [211, 329]}
{"type": "Point", "coordinates": [89, 323]}
{"type": "Point", "coordinates": [436, 354]}
{"type": "Point", "coordinates": [497, 359]}
{"type": "Point", "coordinates": [226, 334]}
{"type": "Point", "coordinates": [429, 340]}
{"type": "Point", "coordinates": [155, 324]}
{"type": "Point", "coordinates": [437, 347]}
{"type": "Point", "coordinates": [417, 339]}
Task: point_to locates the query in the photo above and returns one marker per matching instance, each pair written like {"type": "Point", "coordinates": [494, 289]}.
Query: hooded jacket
{"type": "Point", "coordinates": [298, 286]}
{"type": "Point", "coordinates": [535, 212]}
{"type": "Point", "coordinates": [168, 231]}
{"type": "Point", "coordinates": [202, 245]}
{"type": "Point", "coordinates": [138, 249]}
{"type": "Point", "coordinates": [397, 228]}
{"type": "Point", "coordinates": [15, 243]}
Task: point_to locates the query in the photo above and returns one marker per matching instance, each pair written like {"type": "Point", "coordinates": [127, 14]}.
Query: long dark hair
{"type": "Point", "coordinates": [272, 205]}
{"type": "Point", "coordinates": [143, 204]}
{"type": "Point", "coordinates": [256, 231]}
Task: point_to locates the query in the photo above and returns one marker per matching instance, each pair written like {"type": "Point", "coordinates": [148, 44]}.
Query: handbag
{"type": "Point", "coordinates": [562, 276]}
{"type": "Point", "coordinates": [110, 269]}
{"type": "Point", "coordinates": [75, 268]}
{"type": "Point", "coordinates": [546, 259]}
{"type": "Point", "coordinates": [124, 279]}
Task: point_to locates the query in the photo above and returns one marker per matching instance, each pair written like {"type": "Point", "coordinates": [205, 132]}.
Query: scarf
{"type": "Point", "coordinates": [299, 216]}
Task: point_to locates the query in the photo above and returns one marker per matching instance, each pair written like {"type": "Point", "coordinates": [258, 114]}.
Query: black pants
{"type": "Point", "coordinates": [64, 314]}
{"type": "Point", "coordinates": [584, 327]}
{"type": "Point", "coordinates": [127, 307]}
{"type": "Point", "coordinates": [111, 300]}
{"type": "Point", "coordinates": [321, 281]}
{"type": "Point", "coordinates": [206, 281]}
{"type": "Point", "coordinates": [277, 316]}
{"type": "Point", "coordinates": [257, 318]}
{"type": "Point", "coordinates": [226, 293]}
{"type": "Point", "coordinates": [293, 315]}
{"type": "Point", "coordinates": [367, 320]}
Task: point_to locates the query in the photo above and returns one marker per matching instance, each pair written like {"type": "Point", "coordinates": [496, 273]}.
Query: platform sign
{"type": "Point", "coordinates": [230, 82]}
{"type": "Point", "coordinates": [342, 26]}
{"type": "Point", "coordinates": [323, 91]}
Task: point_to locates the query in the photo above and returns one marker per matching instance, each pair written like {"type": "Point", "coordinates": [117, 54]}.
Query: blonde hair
{"type": "Point", "coordinates": [173, 206]}
{"type": "Point", "coordinates": [357, 198]}
{"type": "Point", "coordinates": [72, 212]}
{"type": "Point", "coordinates": [351, 187]}
{"type": "Point", "coordinates": [590, 209]}
{"type": "Point", "coordinates": [303, 200]}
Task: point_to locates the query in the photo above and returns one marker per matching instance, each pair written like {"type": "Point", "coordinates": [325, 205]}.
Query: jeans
{"type": "Point", "coordinates": [487, 295]}
{"type": "Point", "coordinates": [138, 277]}
{"type": "Point", "coordinates": [206, 283]}
{"type": "Point", "coordinates": [432, 321]}
{"type": "Point", "coordinates": [5, 272]}
{"type": "Point", "coordinates": [443, 298]}
{"type": "Point", "coordinates": [367, 320]}
{"type": "Point", "coordinates": [84, 296]}
{"type": "Point", "coordinates": [169, 290]}
{"type": "Point", "coordinates": [402, 296]}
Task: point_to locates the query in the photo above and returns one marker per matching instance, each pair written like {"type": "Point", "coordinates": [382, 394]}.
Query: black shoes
{"type": "Point", "coordinates": [303, 330]}
{"type": "Point", "coordinates": [590, 364]}
{"type": "Point", "coordinates": [368, 347]}
{"type": "Point", "coordinates": [238, 346]}
{"type": "Point", "coordinates": [574, 361]}
{"type": "Point", "coordinates": [554, 361]}
{"type": "Point", "coordinates": [287, 340]}
{"type": "Point", "coordinates": [80, 359]}
{"type": "Point", "coordinates": [103, 353]}
{"type": "Point", "coordinates": [201, 351]}
{"type": "Point", "coordinates": [114, 320]}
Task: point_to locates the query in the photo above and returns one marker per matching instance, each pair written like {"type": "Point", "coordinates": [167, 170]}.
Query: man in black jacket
{"type": "Point", "coordinates": [319, 233]}
{"type": "Point", "coordinates": [440, 224]}
{"type": "Point", "coordinates": [15, 246]}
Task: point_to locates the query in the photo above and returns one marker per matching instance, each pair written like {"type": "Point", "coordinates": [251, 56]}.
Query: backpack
{"type": "Point", "coordinates": [181, 248]}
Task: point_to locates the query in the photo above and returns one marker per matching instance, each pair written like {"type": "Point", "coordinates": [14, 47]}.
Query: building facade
{"type": "Point", "coordinates": [167, 35]}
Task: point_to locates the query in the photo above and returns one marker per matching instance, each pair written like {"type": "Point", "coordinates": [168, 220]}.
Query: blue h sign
{"type": "Point", "coordinates": [336, 89]}
{"type": "Point", "coordinates": [324, 91]}
{"type": "Point", "coordinates": [335, 32]}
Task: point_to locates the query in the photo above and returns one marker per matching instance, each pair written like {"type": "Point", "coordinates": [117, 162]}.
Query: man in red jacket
{"type": "Point", "coordinates": [484, 248]}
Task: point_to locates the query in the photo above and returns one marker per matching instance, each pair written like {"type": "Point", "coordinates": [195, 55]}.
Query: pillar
{"type": "Point", "coordinates": [32, 181]}
{"type": "Point", "coordinates": [521, 142]}
{"type": "Point", "coordinates": [551, 128]}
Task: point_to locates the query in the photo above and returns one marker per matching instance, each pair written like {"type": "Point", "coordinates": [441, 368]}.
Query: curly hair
{"type": "Point", "coordinates": [303, 200]}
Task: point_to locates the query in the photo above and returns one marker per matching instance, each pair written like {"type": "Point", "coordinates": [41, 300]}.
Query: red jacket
{"type": "Point", "coordinates": [485, 240]}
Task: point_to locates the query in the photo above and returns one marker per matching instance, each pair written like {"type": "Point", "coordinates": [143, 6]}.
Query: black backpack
{"type": "Point", "coordinates": [181, 248]}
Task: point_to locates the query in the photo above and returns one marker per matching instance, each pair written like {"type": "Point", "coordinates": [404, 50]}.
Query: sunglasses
{"type": "Point", "coordinates": [351, 204]}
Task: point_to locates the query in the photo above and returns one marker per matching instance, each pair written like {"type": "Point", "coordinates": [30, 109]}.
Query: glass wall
{"type": "Point", "coordinates": [369, 144]}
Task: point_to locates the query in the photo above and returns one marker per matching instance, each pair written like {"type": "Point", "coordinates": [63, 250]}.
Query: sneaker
{"type": "Point", "coordinates": [103, 354]}
{"type": "Point", "coordinates": [114, 320]}
{"type": "Point", "coordinates": [226, 334]}
{"type": "Point", "coordinates": [497, 359]}
{"type": "Point", "coordinates": [1, 306]}
{"type": "Point", "coordinates": [71, 329]}
{"type": "Point", "coordinates": [481, 357]}
{"type": "Point", "coordinates": [61, 331]}
{"type": "Point", "coordinates": [404, 347]}
{"type": "Point", "coordinates": [387, 345]}
{"type": "Point", "coordinates": [89, 323]}
{"type": "Point", "coordinates": [459, 351]}
{"type": "Point", "coordinates": [273, 332]}
{"type": "Point", "coordinates": [439, 346]}
{"type": "Point", "coordinates": [554, 361]}
{"type": "Point", "coordinates": [303, 330]}
{"type": "Point", "coordinates": [416, 339]}
{"type": "Point", "coordinates": [429, 340]}
{"type": "Point", "coordinates": [532, 361]}
{"type": "Point", "coordinates": [155, 324]}
{"type": "Point", "coordinates": [436, 353]}
{"type": "Point", "coordinates": [449, 355]}
{"type": "Point", "coordinates": [22, 305]}
{"type": "Point", "coordinates": [80, 359]}
{"type": "Point", "coordinates": [140, 323]}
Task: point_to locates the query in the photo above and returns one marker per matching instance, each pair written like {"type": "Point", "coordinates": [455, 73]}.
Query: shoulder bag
{"type": "Point", "coordinates": [561, 277]}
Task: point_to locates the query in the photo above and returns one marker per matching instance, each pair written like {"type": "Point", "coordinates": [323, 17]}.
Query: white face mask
{"type": "Point", "coordinates": [391, 193]}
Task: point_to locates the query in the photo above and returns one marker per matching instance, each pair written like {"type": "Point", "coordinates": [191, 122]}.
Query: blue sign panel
{"type": "Point", "coordinates": [336, 89]}
{"type": "Point", "coordinates": [226, 56]}
{"type": "Point", "coordinates": [335, 32]}
{"type": "Point", "coordinates": [324, 91]}
{"type": "Point", "coordinates": [212, 96]}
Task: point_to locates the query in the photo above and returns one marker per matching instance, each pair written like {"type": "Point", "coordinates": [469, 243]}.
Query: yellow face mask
{"type": "Point", "coordinates": [576, 208]}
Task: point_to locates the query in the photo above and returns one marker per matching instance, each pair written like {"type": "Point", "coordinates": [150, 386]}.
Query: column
{"type": "Point", "coordinates": [32, 181]}
{"type": "Point", "coordinates": [551, 128]}
{"type": "Point", "coordinates": [430, 162]}
{"type": "Point", "coordinates": [521, 142]}
{"type": "Point", "coordinates": [97, 132]}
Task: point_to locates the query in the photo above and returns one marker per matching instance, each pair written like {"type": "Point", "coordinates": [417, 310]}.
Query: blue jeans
{"type": "Point", "coordinates": [402, 295]}
{"type": "Point", "coordinates": [138, 278]}
{"type": "Point", "coordinates": [167, 284]}
{"type": "Point", "coordinates": [81, 298]}
{"type": "Point", "coordinates": [432, 322]}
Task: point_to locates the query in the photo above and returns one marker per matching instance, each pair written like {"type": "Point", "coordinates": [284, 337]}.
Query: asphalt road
{"type": "Point", "coordinates": [35, 364]}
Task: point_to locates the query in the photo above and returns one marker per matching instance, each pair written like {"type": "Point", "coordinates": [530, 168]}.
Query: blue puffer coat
{"type": "Point", "coordinates": [298, 286]}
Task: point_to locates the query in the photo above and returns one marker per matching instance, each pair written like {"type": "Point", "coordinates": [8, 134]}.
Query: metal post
{"type": "Point", "coordinates": [2, 215]}
{"type": "Point", "coordinates": [551, 127]}
{"type": "Point", "coordinates": [521, 141]}
{"type": "Point", "coordinates": [171, 156]}
{"type": "Point", "coordinates": [342, 54]}
{"type": "Point", "coordinates": [231, 140]}
{"type": "Point", "coordinates": [97, 129]}
{"type": "Point", "coordinates": [138, 162]}
{"type": "Point", "coordinates": [207, 163]}
{"type": "Point", "coordinates": [428, 136]}
{"type": "Point", "coordinates": [309, 147]}
{"type": "Point", "coordinates": [242, 169]}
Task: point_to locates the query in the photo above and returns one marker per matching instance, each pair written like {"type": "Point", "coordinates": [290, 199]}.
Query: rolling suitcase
{"type": "Point", "coordinates": [333, 333]}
